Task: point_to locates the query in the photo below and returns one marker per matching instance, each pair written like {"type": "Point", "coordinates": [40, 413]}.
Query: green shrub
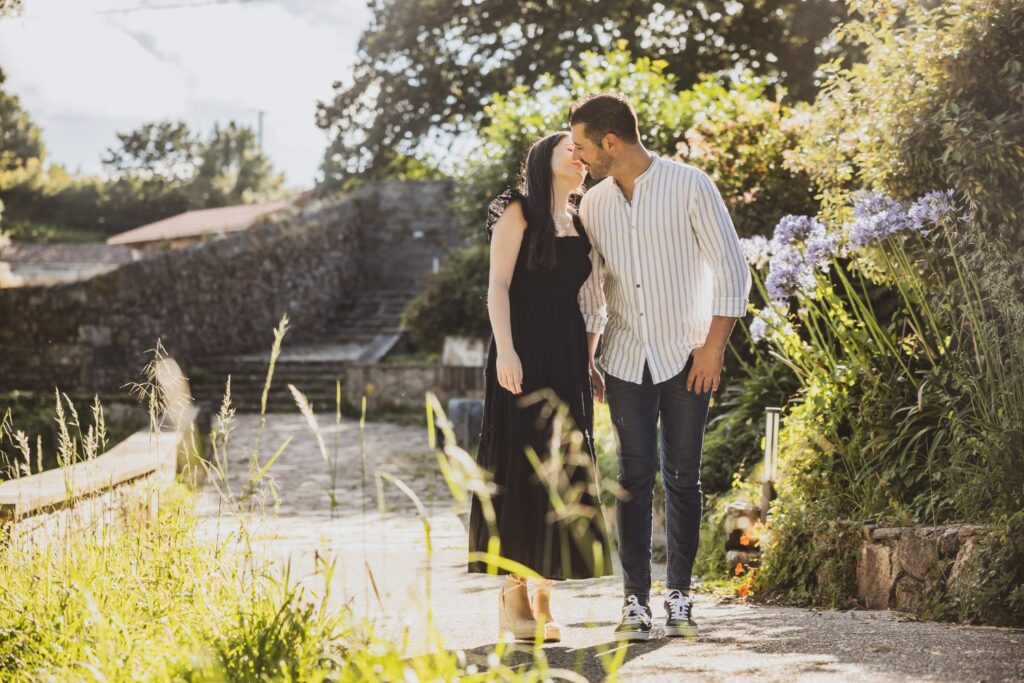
{"type": "Point", "coordinates": [935, 104]}
{"type": "Point", "coordinates": [994, 593]}
{"type": "Point", "coordinates": [453, 303]}
{"type": "Point", "coordinates": [734, 436]}
{"type": "Point", "coordinates": [744, 141]}
{"type": "Point", "coordinates": [516, 119]}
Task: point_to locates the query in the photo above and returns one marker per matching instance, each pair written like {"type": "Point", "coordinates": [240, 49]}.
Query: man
{"type": "Point", "coordinates": [668, 282]}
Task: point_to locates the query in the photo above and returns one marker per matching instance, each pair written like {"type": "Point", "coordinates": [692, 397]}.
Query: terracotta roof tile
{"type": "Point", "coordinates": [199, 222]}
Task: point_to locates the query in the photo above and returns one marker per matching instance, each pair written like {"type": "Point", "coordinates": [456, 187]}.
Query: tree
{"type": "Point", "coordinates": [233, 169]}
{"type": "Point", "coordinates": [21, 144]}
{"type": "Point", "coordinates": [519, 117]}
{"type": "Point", "coordinates": [166, 165]}
{"type": "Point", "coordinates": [423, 67]}
{"type": "Point", "coordinates": [164, 152]}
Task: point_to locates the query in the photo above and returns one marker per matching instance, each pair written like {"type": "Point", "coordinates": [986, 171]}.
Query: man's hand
{"type": "Point", "coordinates": [598, 381]}
{"type": "Point", "coordinates": [706, 369]}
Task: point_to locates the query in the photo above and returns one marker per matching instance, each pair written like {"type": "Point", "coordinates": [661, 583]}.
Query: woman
{"type": "Point", "coordinates": [546, 513]}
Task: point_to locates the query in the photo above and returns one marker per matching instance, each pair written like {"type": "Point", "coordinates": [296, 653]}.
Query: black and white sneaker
{"type": "Point", "coordinates": [636, 621]}
{"type": "Point", "coordinates": [680, 621]}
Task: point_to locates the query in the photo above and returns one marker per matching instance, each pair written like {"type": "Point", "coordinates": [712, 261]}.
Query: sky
{"type": "Point", "coordinates": [88, 69]}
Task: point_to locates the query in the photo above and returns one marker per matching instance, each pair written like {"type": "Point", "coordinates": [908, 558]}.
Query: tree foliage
{"type": "Point", "coordinates": [157, 170]}
{"type": "Point", "coordinates": [21, 144]}
{"type": "Point", "coordinates": [519, 117]}
{"type": "Point", "coordinates": [939, 102]}
{"type": "Point", "coordinates": [423, 67]}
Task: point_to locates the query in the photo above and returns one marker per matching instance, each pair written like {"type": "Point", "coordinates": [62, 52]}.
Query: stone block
{"type": "Point", "coordinates": [96, 335]}
{"type": "Point", "coordinates": [949, 542]}
{"type": "Point", "coordinates": [918, 554]}
{"type": "Point", "coordinates": [881, 534]}
{"type": "Point", "coordinates": [910, 595]}
{"type": "Point", "coordinates": [964, 574]}
{"type": "Point", "coordinates": [875, 574]}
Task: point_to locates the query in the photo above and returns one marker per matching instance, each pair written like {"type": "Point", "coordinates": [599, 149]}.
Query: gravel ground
{"type": "Point", "coordinates": [738, 640]}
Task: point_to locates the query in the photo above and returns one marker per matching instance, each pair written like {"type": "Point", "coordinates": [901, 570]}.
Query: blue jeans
{"type": "Point", "coordinates": [635, 409]}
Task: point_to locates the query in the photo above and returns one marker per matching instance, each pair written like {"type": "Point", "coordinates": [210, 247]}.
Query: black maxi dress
{"type": "Point", "coordinates": [558, 541]}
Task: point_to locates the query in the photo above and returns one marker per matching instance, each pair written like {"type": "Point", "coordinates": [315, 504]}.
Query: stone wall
{"type": "Point", "coordinates": [904, 568]}
{"type": "Point", "coordinates": [224, 295]}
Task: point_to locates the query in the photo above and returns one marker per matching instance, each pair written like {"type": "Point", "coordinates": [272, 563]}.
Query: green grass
{"type": "Point", "coordinates": [158, 600]}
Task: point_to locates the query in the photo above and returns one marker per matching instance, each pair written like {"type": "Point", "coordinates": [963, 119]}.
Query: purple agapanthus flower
{"type": "Point", "coordinates": [756, 250]}
{"type": "Point", "coordinates": [758, 328]}
{"type": "Point", "coordinates": [876, 217]}
{"type": "Point", "coordinates": [930, 208]}
{"type": "Point", "coordinates": [769, 322]}
{"type": "Point", "coordinates": [820, 249]}
{"type": "Point", "coordinates": [793, 228]}
{"type": "Point", "coordinates": [788, 273]}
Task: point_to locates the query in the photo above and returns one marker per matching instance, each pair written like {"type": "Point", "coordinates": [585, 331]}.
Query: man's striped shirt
{"type": "Point", "coordinates": [663, 264]}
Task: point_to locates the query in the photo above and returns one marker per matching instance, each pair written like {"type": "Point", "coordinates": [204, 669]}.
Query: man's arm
{"type": "Point", "coordinates": [593, 303]}
{"type": "Point", "coordinates": [720, 245]}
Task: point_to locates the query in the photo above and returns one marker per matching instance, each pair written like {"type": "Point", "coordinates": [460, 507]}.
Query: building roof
{"type": "Point", "coordinates": [199, 222]}
{"type": "Point", "coordinates": [62, 254]}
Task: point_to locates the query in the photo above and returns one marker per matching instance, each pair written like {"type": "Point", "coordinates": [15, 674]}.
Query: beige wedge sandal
{"type": "Point", "coordinates": [513, 608]}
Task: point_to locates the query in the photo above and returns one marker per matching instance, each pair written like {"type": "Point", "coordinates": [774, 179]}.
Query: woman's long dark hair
{"type": "Point", "coordinates": [536, 183]}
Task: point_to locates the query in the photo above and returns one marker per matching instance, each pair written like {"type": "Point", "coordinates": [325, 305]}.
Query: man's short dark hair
{"type": "Point", "coordinates": [606, 113]}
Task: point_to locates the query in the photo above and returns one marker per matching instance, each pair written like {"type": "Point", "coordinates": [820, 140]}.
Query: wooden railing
{"type": "Point", "coordinates": [93, 495]}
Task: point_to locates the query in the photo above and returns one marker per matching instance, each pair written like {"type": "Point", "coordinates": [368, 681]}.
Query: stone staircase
{"type": "Point", "coordinates": [361, 333]}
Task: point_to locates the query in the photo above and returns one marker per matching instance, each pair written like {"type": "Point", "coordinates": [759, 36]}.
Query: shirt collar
{"type": "Point", "coordinates": [649, 172]}
{"type": "Point", "coordinates": [643, 176]}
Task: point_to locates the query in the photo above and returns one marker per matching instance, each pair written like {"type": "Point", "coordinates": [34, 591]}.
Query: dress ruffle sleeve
{"type": "Point", "coordinates": [497, 207]}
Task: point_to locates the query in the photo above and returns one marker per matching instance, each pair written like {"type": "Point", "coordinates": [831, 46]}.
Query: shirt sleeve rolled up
{"type": "Point", "coordinates": [720, 246]}
{"type": "Point", "coordinates": [591, 298]}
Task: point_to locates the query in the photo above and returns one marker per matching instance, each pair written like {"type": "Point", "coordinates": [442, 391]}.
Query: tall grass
{"type": "Point", "coordinates": [160, 601]}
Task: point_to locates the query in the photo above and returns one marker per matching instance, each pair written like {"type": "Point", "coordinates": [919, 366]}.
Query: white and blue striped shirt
{"type": "Point", "coordinates": [663, 265]}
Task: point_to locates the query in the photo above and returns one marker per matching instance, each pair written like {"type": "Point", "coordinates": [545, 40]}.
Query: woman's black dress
{"type": "Point", "coordinates": [550, 338]}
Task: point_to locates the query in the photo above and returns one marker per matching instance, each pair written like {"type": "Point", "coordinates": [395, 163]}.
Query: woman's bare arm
{"type": "Point", "coordinates": [506, 238]}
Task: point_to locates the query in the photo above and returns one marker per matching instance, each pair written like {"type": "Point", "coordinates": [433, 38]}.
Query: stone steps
{"type": "Point", "coordinates": [362, 332]}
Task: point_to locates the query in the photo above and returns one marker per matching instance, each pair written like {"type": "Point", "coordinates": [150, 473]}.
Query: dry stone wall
{"type": "Point", "coordinates": [223, 295]}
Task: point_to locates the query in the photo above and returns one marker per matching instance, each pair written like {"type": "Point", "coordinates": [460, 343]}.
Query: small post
{"type": "Point", "coordinates": [771, 459]}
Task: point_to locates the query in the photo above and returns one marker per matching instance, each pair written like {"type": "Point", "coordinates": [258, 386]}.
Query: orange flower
{"type": "Point", "coordinates": [739, 568]}
{"type": "Point", "coordinates": [744, 540]}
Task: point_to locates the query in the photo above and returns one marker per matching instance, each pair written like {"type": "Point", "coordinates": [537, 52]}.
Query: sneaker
{"type": "Point", "coordinates": [679, 607]}
{"type": "Point", "coordinates": [636, 621]}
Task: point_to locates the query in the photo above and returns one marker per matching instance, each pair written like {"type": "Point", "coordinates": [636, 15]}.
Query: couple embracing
{"type": "Point", "coordinates": [649, 258]}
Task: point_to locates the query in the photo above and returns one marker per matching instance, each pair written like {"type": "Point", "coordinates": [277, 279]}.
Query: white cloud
{"type": "Point", "coordinates": [80, 72]}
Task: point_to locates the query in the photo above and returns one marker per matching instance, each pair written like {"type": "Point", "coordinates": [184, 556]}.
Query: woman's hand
{"type": "Point", "coordinates": [597, 380]}
{"type": "Point", "coordinates": [510, 372]}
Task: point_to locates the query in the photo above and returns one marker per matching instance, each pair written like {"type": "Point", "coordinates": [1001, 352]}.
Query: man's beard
{"type": "Point", "coordinates": [599, 169]}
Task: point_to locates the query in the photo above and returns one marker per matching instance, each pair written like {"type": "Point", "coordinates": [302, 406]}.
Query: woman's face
{"type": "Point", "coordinates": [563, 165]}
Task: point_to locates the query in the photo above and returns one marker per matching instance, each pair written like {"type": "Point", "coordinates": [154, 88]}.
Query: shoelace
{"type": "Point", "coordinates": [678, 606]}
{"type": "Point", "coordinates": [633, 612]}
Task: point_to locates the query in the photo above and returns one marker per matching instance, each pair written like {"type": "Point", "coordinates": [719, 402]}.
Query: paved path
{"type": "Point", "coordinates": [739, 640]}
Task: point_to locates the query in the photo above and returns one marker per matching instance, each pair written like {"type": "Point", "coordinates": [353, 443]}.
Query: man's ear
{"type": "Point", "coordinates": [610, 142]}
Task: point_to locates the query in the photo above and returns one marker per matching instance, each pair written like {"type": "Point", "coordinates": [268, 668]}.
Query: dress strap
{"type": "Point", "coordinates": [579, 227]}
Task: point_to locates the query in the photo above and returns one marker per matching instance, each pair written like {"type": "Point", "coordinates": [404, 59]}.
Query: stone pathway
{"type": "Point", "coordinates": [739, 640]}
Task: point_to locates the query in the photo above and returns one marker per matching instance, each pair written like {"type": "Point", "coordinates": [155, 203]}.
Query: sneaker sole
{"type": "Point", "coordinates": [680, 632]}
{"type": "Point", "coordinates": [633, 635]}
